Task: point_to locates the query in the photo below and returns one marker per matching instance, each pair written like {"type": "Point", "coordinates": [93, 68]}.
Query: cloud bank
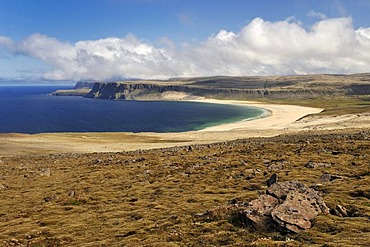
{"type": "Point", "coordinates": [259, 48]}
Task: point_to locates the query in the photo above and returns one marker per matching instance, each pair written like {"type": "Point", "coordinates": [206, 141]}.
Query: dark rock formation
{"type": "Point", "coordinates": [273, 179]}
{"type": "Point", "coordinates": [287, 206]}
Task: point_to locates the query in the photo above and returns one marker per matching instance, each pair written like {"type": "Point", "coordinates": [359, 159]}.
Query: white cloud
{"type": "Point", "coordinates": [319, 15]}
{"type": "Point", "coordinates": [259, 48]}
{"type": "Point", "coordinates": [5, 42]}
{"type": "Point", "coordinates": [6, 45]}
{"type": "Point", "coordinates": [267, 48]}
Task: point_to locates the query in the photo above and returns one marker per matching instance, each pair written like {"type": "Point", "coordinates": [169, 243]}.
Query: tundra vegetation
{"type": "Point", "coordinates": [185, 196]}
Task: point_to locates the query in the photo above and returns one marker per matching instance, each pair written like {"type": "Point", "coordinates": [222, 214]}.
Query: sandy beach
{"type": "Point", "coordinates": [279, 119]}
{"type": "Point", "coordinates": [275, 116]}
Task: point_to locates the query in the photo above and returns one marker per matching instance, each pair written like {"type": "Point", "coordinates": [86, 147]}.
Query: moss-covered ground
{"type": "Point", "coordinates": [155, 197]}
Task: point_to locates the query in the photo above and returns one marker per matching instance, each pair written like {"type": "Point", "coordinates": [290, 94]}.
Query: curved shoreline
{"type": "Point", "coordinates": [277, 116]}
{"type": "Point", "coordinates": [229, 126]}
{"type": "Point", "coordinates": [224, 126]}
{"type": "Point", "coordinates": [281, 119]}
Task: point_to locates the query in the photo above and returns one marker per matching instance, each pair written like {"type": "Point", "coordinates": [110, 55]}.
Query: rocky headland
{"type": "Point", "coordinates": [240, 88]}
{"type": "Point", "coordinates": [222, 87]}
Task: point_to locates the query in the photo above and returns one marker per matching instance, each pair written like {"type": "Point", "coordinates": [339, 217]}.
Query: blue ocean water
{"type": "Point", "coordinates": [29, 109]}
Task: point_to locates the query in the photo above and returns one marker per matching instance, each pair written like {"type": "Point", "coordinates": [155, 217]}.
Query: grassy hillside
{"type": "Point", "coordinates": [156, 197]}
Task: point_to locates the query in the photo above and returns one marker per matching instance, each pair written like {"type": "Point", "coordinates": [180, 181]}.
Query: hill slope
{"type": "Point", "coordinates": [154, 197]}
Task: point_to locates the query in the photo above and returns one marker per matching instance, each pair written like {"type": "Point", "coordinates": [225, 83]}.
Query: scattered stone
{"type": "Point", "coordinates": [273, 179]}
{"type": "Point", "coordinates": [45, 172]}
{"type": "Point", "coordinates": [327, 177]}
{"type": "Point", "coordinates": [3, 187]}
{"type": "Point", "coordinates": [287, 206]}
{"type": "Point", "coordinates": [50, 198]}
{"type": "Point", "coordinates": [336, 152]}
{"type": "Point", "coordinates": [96, 161]}
{"type": "Point", "coordinates": [251, 173]}
{"type": "Point", "coordinates": [207, 213]}
{"type": "Point", "coordinates": [340, 211]}
{"type": "Point", "coordinates": [315, 165]}
{"type": "Point", "coordinates": [275, 165]}
{"type": "Point", "coordinates": [13, 242]}
{"type": "Point", "coordinates": [136, 217]}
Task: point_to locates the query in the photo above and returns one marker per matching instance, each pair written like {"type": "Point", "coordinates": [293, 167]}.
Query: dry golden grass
{"type": "Point", "coordinates": [155, 197]}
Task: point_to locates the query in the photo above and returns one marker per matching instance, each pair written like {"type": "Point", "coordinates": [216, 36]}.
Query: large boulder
{"type": "Point", "coordinates": [287, 206]}
{"type": "Point", "coordinates": [259, 211]}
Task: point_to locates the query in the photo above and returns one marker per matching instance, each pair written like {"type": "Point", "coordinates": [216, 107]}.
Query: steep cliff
{"type": "Point", "coordinates": [128, 91]}
{"type": "Point", "coordinates": [273, 87]}
{"type": "Point", "coordinates": [84, 85]}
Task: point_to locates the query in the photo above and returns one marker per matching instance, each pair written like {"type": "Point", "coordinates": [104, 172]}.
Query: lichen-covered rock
{"type": "Point", "coordinates": [287, 206]}
{"type": "Point", "coordinates": [281, 190]}
{"type": "Point", "coordinates": [296, 212]}
{"type": "Point", "coordinates": [258, 212]}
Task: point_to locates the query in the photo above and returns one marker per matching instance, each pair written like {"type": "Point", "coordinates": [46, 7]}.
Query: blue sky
{"type": "Point", "coordinates": [72, 39]}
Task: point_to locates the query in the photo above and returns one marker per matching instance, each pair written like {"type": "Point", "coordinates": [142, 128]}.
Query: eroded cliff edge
{"type": "Point", "coordinates": [241, 88]}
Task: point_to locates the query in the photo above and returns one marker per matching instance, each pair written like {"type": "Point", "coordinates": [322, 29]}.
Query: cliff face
{"type": "Point", "coordinates": [283, 87]}
{"type": "Point", "coordinates": [127, 91]}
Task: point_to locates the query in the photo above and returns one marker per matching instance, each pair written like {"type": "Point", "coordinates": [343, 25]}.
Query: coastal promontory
{"type": "Point", "coordinates": [224, 87]}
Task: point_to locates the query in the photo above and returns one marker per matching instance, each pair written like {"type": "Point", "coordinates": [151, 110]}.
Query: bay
{"type": "Point", "coordinates": [29, 109]}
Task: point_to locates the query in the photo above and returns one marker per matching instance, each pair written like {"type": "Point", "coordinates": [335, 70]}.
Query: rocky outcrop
{"type": "Point", "coordinates": [128, 91]}
{"type": "Point", "coordinates": [224, 87]}
{"type": "Point", "coordinates": [71, 92]}
{"type": "Point", "coordinates": [287, 206]}
{"type": "Point", "coordinates": [80, 89]}
{"type": "Point", "coordinates": [258, 212]}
